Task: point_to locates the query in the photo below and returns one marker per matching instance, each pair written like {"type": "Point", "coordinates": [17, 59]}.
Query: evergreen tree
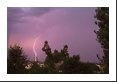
{"type": "Point", "coordinates": [102, 16]}
{"type": "Point", "coordinates": [16, 60]}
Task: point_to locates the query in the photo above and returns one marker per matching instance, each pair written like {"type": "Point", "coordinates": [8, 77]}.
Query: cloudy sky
{"type": "Point", "coordinates": [59, 26]}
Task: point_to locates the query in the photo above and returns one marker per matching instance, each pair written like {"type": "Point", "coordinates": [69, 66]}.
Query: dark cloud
{"type": "Point", "coordinates": [38, 11]}
{"type": "Point", "coordinates": [14, 14]}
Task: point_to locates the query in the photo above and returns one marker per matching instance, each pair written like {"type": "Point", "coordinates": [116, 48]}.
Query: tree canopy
{"type": "Point", "coordinates": [102, 16]}
{"type": "Point", "coordinates": [16, 60]}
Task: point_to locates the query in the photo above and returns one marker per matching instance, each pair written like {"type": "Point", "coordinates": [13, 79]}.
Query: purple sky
{"type": "Point", "coordinates": [60, 26]}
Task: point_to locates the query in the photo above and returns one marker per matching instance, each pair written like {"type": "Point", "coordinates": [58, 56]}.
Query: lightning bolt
{"type": "Point", "coordinates": [34, 50]}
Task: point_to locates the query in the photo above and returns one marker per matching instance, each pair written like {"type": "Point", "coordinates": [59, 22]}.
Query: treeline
{"type": "Point", "coordinates": [55, 62]}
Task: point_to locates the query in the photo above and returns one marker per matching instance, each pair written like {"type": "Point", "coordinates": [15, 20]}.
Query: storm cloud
{"type": "Point", "coordinates": [73, 26]}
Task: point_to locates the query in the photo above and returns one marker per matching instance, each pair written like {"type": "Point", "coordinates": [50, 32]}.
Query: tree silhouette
{"type": "Point", "coordinates": [64, 51]}
{"type": "Point", "coordinates": [16, 60]}
{"type": "Point", "coordinates": [61, 62]}
{"type": "Point", "coordinates": [56, 62]}
{"type": "Point", "coordinates": [54, 59]}
{"type": "Point", "coordinates": [102, 16]}
{"type": "Point", "coordinates": [49, 55]}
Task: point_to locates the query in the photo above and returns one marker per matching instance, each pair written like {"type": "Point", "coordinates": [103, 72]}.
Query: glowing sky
{"type": "Point", "coordinates": [60, 26]}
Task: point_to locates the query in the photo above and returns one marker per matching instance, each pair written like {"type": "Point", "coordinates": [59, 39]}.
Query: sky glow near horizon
{"type": "Point", "coordinates": [73, 26]}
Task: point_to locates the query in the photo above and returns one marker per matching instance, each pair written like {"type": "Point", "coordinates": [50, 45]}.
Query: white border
{"type": "Point", "coordinates": [57, 3]}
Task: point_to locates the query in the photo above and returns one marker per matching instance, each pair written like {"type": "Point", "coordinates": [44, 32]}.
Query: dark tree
{"type": "Point", "coordinates": [54, 59]}
{"type": "Point", "coordinates": [71, 65]}
{"type": "Point", "coordinates": [64, 51]}
{"type": "Point", "coordinates": [49, 55]}
{"type": "Point", "coordinates": [46, 48]}
{"type": "Point", "coordinates": [102, 16]}
{"type": "Point", "coordinates": [16, 60]}
{"type": "Point", "coordinates": [61, 63]}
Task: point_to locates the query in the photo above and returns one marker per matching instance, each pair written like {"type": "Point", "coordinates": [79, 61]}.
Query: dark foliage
{"type": "Point", "coordinates": [57, 62]}
{"type": "Point", "coordinates": [62, 63]}
{"type": "Point", "coordinates": [102, 16]}
{"type": "Point", "coordinates": [16, 60]}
